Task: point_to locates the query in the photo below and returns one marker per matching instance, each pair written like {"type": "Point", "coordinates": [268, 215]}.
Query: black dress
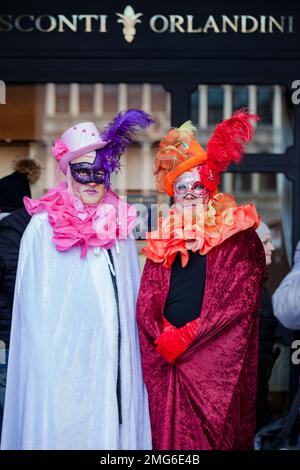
{"type": "Point", "coordinates": [186, 292]}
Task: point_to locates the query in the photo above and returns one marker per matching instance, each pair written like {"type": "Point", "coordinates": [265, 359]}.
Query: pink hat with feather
{"type": "Point", "coordinates": [84, 138]}
{"type": "Point", "coordinates": [79, 139]}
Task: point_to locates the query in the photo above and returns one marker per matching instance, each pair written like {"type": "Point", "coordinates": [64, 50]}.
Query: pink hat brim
{"type": "Point", "coordinates": [68, 157]}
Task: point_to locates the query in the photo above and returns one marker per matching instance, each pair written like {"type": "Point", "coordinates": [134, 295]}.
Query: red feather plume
{"type": "Point", "coordinates": [227, 144]}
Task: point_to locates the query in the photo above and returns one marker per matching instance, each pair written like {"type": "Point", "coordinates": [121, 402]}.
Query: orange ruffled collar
{"type": "Point", "coordinates": [198, 229]}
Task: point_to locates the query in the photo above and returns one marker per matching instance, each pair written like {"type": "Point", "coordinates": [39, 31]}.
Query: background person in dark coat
{"type": "Point", "coordinates": [267, 327]}
{"type": "Point", "coordinates": [13, 221]}
{"type": "Point", "coordinates": [15, 186]}
{"type": "Point", "coordinates": [11, 231]}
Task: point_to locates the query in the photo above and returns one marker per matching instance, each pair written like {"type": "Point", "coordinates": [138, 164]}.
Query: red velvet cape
{"type": "Point", "coordinates": [206, 400]}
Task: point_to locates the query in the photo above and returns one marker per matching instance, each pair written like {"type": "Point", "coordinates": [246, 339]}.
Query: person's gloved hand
{"type": "Point", "coordinates": [173, 342]}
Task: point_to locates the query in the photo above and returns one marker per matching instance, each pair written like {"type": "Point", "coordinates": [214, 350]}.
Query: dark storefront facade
{"type": "Point", "coordinates": [171, 44]}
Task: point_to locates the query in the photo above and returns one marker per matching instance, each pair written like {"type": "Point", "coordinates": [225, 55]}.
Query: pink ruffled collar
{"type": "Point", "coordinates": [75, 224]}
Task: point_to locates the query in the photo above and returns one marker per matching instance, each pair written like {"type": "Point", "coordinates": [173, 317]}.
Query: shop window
{"type": "Point", "coordinates": [62, 96]}
{"type": "Point", "coordinates": [86, 97]}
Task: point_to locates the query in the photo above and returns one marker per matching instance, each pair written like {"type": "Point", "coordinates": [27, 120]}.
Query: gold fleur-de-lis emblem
{"type": "Point", "coordinates": [129, 19]}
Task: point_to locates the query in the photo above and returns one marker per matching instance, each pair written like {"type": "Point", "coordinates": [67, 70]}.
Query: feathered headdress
{"type": "Point", "coordinates": [226, 146]}
{"type": "Point", "coordinates": [83, 138]}
{"type": "Point", "coordinates": [119, 134]}
{"type": "Point", "coordinates": [179, 151]}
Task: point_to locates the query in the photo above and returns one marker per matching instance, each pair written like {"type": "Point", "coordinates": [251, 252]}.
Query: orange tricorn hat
{"type": "Point", "coordinates": [179, 151]}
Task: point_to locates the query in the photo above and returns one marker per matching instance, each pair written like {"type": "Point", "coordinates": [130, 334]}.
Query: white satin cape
{"type": "Point", "coordinates": [63, 359]}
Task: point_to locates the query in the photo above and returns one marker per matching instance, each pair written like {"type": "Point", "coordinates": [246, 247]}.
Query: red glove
{"type": "Point", "coordinates": [174, 341]}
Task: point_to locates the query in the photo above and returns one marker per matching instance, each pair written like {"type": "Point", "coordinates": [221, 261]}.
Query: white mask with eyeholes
{"type": "Point", "coordinates": [188, 189]}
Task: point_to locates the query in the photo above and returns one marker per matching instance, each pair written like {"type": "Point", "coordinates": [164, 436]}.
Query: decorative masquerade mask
{"type": "Point", "coordinates": [85, 173]}
{"type": "Point", "coordinates": [189, 184]}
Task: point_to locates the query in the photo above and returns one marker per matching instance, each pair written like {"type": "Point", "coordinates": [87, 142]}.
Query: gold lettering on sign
{"type": "Point", "coordinates": [190, 25]}
{"type": "Point", "coordinates": [63, 21]}
{"type": "Point", "coordinates": [22, 28]}
{"type": "Point", "coordinates": [102, 25]}
{"type": "Point", "coordinates": [249, 24]}
{"type": "Point", "coordinates": [5, 24]}
{"type": "Point", "coordinates": [291, 24]}
{"type": "Point", "coordinates": [211, 24]}
{"type": "Point", "coordinates": [263, 24]}
{"type": "Point", "coordinates": [50, 19]}
{"type": "Point", "coordinates": [279, 26]}
{"type": "Point", "coordinates": [227, 22]}
{"type": "Point", "coordinates": [176, 22]}
{"type": "Point", "coordinates": [88, 22]}
{"type": "Point", "coordinates": [162, 20]}
{"type": "Point", "coordinates": [239, 24]}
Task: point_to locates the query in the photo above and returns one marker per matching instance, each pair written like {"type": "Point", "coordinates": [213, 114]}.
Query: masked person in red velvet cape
{"type": "Point", "coordinates": [198, 303]}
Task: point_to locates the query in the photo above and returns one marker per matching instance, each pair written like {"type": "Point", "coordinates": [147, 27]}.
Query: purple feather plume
{"type": "Point", "coordinates": [119, 134]}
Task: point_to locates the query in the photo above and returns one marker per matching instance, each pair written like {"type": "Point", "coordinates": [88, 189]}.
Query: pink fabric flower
{"type": "Point", "coordinates": [59, 149]}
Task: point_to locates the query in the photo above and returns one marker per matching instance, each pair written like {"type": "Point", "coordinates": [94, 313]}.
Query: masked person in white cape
{"type": "Point", "coordinates": [74, 373]}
